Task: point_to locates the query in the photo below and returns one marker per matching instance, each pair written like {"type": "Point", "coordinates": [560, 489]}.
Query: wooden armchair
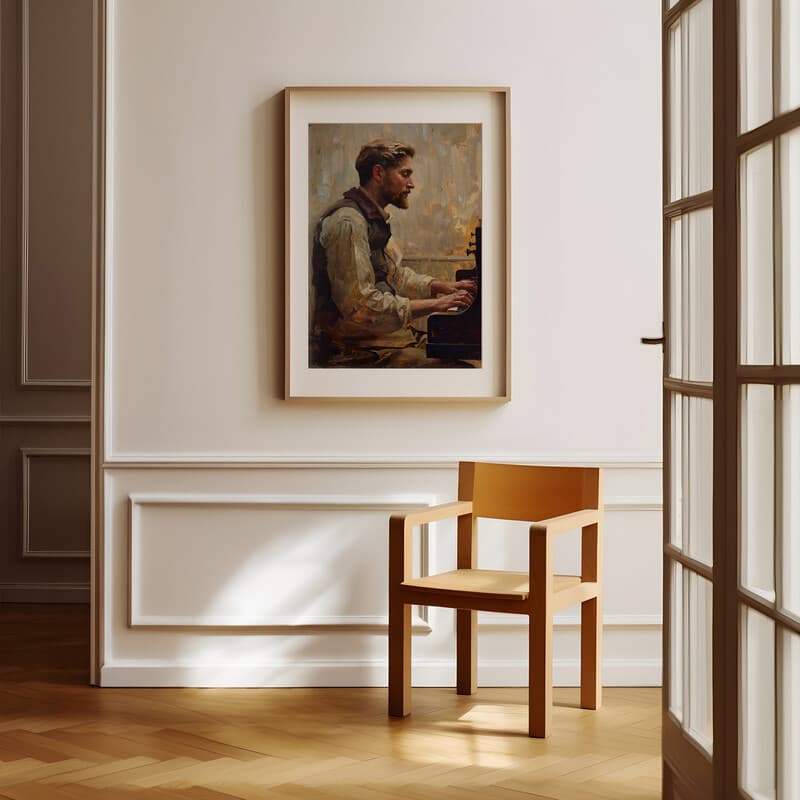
{"type": "Point", "coordinates": [554, 500]}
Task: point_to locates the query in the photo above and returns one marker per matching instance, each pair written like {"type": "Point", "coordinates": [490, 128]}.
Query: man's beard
{"type": "Point", "coordinates": [400, 200]}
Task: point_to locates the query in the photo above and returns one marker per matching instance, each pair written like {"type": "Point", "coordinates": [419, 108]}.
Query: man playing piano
{"type": "Point", "coordinates": [365, 298]}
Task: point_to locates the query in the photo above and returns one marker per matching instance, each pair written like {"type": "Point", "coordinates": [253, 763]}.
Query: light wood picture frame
{"type": "Point", "coordinates": [452, 235]}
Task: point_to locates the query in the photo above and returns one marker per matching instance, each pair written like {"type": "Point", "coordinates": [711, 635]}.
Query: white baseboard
{"type": "Point", "coordinates": [44, 592]}
{"type": "Point", "coordinates": [617, 672]}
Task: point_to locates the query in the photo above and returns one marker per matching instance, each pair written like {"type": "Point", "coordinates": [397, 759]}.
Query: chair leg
{"type": "Point", "coordinates": [540, 673]}
{"type": "Point", "coordinates": [399, 659]}
{"type": "Point", "coordinates": [466, 652]}
{"type": "Point", "coordinates": [591, 653]}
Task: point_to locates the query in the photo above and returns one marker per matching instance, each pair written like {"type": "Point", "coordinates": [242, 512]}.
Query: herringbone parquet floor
{"type": "Point", "coordinates": [63, 740]}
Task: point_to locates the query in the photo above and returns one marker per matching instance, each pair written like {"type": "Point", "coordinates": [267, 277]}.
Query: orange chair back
{"type": "Point", "coordinates": [527, 493]}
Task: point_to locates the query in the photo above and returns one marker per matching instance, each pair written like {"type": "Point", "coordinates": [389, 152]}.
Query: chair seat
{"type": "Point", "coordinates": [500, 585]}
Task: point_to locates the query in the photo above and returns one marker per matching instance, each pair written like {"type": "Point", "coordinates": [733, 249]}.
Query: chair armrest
{"type": "Point", "coordinates": [458, 508]}
{"type": "Point", "coordinates": [567, 522]}
{"type": "Point", "coordinates": [541, 548]}
{"type": "Point", "coordinates": [401, 528]}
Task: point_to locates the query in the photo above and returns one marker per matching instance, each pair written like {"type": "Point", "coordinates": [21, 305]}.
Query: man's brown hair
{"type": "Point", "coordinates": [383, 152]}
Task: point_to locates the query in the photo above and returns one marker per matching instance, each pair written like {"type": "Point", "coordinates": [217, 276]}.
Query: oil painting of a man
{"type": "Point", "coordinates": [369, 305]}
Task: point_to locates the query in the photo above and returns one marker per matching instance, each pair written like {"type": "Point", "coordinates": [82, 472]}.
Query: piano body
{"type": "Point", "coordinates": [457, 334]}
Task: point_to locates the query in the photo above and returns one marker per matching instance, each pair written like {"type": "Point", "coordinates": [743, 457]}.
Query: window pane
{"type": "Point", "coordinates": [699, 86]}
{"type": "Point", "coordinates": [789, 710]}
{"type": "Point", "coordinates": [758, 490]}
{"type": "Point", "coordinates": [757, 768]}
{"type": "Point", "coordinates": [756, 257]}
{"type": "Point", "coordinates": [790, 562]}
{"type": "Point", "coordinates": [755, 63]}
{"type": "Point", "coordinates": [676, 114]}
{"type": "Point", "coordinates": [700, 489]}
{"type": "Point", "coordinates": [691, 476]}
{"type": "Point", "coordinates": [701, 296]}
{"type": "Point", "coordinates": [677, 471]}
{"type": "Point", "coordinates": [676, 642]}
{"type": "Point", "coordinates": [676, 261]}
{"type": "Point", "coordinates": [790, 240]}
{"type": "Point", "coordinates": [790, 57]}
{"type": "Point", "coordinates": [690, 82]}
{"type": "Point", "coordinates": [692, 296]}
{"type": "Point", "coordinates": [700, 717]}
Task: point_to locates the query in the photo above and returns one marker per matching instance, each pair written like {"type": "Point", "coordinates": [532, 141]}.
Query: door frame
{"type": "Point", "coordinates": [99, 133]}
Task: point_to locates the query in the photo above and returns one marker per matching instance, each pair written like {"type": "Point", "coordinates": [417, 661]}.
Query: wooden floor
{"type": "Point", "coordinates": [61, 739]}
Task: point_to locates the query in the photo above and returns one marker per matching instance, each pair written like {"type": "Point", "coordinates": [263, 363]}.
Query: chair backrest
{"type": "Point", "coordinates": [528, 493]}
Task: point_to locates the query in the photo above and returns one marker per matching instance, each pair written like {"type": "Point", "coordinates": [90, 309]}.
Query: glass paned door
{"type": "Point", "coordinates": [768, 381]}
{"type": "Point", "coordinates": [731, 727]}
{"type": "Point", "coordinates": [689, 223]}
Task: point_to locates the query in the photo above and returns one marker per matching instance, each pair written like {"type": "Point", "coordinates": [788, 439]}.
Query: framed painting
{"type": "Point", "coordinates": [397, 243]}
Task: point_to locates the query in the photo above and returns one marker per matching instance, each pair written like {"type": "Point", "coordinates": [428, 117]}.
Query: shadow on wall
{"type": "Point", "coordinates": [269, 244]}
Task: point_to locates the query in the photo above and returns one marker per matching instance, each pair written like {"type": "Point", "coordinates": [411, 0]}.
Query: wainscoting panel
{"type": "Point", "coordinates": [44, 468]}
{"type": "Point", "coordinates": [55, 502]}
{"type": "Point", "coordinates": [55, 331]}
{"type": "Point", "coordinates": [274, 566]}
{"type": "Point", "coordinates": [45, 299]}
{"type": "Point", "coordinates": [274, 574]}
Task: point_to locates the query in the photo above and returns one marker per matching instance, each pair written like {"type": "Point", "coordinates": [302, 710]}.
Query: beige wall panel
{"type": "Point", "coordinates": [57, 172]}
{"type": "Point", "coordinates": [260, 559]}
{"type": "Point", "coordinates": [214, 552]}
{"type": "Point", "coordinates": [15, 569]}
{"type": "Point", "coordinates": [45, 312]}
{"type": "Point", "coordinates": [197, 211]}
{"type": "Point", "coordinates": [15, 400]}
{"type": "Point", "coordinates": [56, 503]}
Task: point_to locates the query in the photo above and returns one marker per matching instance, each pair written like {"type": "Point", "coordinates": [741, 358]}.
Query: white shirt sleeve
{"type": "Point", "coordinates": [344, 236]}
{"type": "Point", "coordinates": [405, 280]}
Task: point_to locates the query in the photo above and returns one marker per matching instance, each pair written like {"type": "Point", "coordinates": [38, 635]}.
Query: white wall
{"type": "Point", "coordinates": [195, 330]}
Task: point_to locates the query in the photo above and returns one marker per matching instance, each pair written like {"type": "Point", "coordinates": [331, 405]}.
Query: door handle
{"type": "Point", "coordinates": [654, 339]}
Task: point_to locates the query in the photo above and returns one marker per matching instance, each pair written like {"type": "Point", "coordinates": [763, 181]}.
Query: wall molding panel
{"type": "Point", "coordinates": [20, 419]}
{"type": "Point", "coordinates": [634, 504]}
{"type": "Point", "coordinates": [163, 516]}
{"type": "Point", "coordinates": [294, 502]}
{"type": "Point", "coordinates": [209, 461]}
{"type": "Point", "coordinates": [28, 454]}
{"type": "Point", "coordinates": [571, 619]}
{"type": "Point", "coordinates": [233, 503]}
{"type": "Point", "coordinates": [45, 301]}
{"type": "Point", "coordinates": [26, 380]}
{"type": "Point", "coordinates": [44, 593]}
